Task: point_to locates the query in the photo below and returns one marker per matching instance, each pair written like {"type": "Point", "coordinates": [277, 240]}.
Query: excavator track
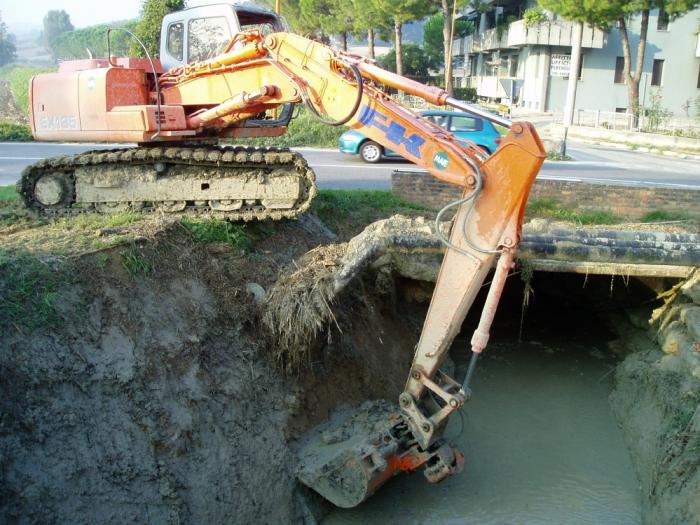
{"type": "Point", "coordinates": [240, 183]}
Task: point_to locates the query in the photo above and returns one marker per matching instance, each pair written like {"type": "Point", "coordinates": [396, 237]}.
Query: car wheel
{"type": "Point", "coordinates": [370, 151]}
{"type": "Point", "coordinates": [486, 150]}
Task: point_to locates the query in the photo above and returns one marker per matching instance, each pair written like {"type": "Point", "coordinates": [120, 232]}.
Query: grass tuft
{"type": "Point", "coordinates": [94, 221]}
{"type": "Point", "coordinates": [347, 212]}
{"type": "Point", "coordinates": [552, 209]}
{"type": "Point", "coordinates": [217, 230]}
{"type": "Point", "coordinates": [28, 291]}
{"type": "Point", "coordinates": [553, 154]}
{"type": "Point", "coordinates": [666, 215]}
{"type": "Point", "coordinates": [11, 132]}
{"type": "Point", "coordinates": [135, 263]}
{"type": "Point", "coordinates": [8, 193]}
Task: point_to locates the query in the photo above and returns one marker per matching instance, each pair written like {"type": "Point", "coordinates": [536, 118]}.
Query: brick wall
{"type": "Point", "coordinates": [627, 202]}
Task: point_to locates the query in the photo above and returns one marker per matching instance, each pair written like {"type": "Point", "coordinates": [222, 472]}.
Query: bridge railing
{"type": "Point", "coordinates": [648, 122]}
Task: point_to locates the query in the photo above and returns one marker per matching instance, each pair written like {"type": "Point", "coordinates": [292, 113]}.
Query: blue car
{"type": "Point", "coordinates": [463, 125]}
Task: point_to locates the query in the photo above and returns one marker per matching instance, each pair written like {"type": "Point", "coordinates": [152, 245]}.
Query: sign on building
{"type": "Point", "coordinates": [560, 65]}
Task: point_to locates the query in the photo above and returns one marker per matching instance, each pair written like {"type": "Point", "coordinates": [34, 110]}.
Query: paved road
{"type": "Point", "coordinates": [335, 170]}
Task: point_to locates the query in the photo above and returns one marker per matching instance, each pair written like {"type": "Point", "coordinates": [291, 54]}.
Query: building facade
{"type": "Point", "coordinates": [527, 65]}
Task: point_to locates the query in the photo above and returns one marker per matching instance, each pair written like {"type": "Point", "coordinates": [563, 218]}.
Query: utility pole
{"type": "Point", "coordinates": [576, 41]}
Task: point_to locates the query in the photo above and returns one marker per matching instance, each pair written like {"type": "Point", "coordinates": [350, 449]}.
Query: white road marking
{"type": "Point", "coordinates": [345, 166]}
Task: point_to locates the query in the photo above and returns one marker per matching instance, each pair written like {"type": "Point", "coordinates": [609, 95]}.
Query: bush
{"type": "Point", "coordinates": [416, 62]}
{"type": "Point", "coordinates": [534, 16]}
{"type": "Point", "coordinates": [467, 94]}
{"type": "Point", "coordinates": [15, 132]}
{"type": "Point", "coordinates": [18, 77]}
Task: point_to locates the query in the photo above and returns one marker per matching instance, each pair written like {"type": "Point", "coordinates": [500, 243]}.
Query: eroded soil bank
{"type": "Point", "coordinates": [147, 392]}
{"type": "Point", "coordinates": [147, 387]}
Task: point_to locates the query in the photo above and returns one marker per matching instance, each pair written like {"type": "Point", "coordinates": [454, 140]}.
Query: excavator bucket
{"type": "Point", "coordinates": [347, 459]}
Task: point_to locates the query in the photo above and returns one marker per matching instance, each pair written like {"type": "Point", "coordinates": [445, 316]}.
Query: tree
{"type": "Point", "coordinates": [447, 8]}
{"type": "Point", "coordinates": [598, 13]}
{"type": "Point", "coordinates": [75, 44]}
{"type": "Point", "coordinates": [55, 23]}
{"type": "Point", "coordinates": [401, 12]}
{"type": "Point", "coordinates": [328, 17]}
{"type": "Point", "coordinates": [415, 61]}
{"type": "Point", "coordinates": [7, 45]}
{"type": "Point", "coordinates": [368, 17]}
{"type": "Point", "coordinates": [433, 37]}
{"type": "Point", "coordinates": [626, 9]}
{"type": "Point", "coordinates": [148, 27]}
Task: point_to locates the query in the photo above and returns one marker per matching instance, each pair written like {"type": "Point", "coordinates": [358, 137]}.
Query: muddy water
{"type": "Point", "coordinates": [541, 447]}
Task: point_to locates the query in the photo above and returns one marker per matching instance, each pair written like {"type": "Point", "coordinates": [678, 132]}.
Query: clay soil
{"type": "Point", "coordinates": [149, 394]}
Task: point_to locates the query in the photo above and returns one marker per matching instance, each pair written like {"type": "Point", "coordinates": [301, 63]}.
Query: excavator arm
{"type": "Point", "coordinates": [344, 89]}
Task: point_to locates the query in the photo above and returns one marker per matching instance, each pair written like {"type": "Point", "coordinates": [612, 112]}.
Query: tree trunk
{"type": "Point", "coordinates": [632, 78]}
{"type": "Point", "coordinates": [344, 40]}
{"type": "Point", "coordinates": [370, 43]}
{"type": "Point", "coordinates": [446, 34]}
{"type": "Point", "coordinates": [573, 74]}
{"type": "Point", "coordinates": [399, 48]}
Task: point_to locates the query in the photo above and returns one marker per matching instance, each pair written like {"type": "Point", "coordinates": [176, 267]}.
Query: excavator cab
{"type": "Point", "coordinates": [201, 33]}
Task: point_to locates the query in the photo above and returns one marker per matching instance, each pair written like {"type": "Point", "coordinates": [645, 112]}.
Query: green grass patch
{"type": "Point", "coordinates": [18, 76]}
{"type": "Point", "coordinates": [8, 193]}
{"type": "Point", "coordinates": [553, 154]}
{"type": "Point", "coordinates": [666, 215]}
{"type": "Point", "coordinates": [304, 130]}
{"type": "Point", "coordinates": [217, 230]}
{"type": "Point", "coordinates": [135, 262]}
{"type": "Point", "coordinates": [28, 291]}
{"type": "Point", "coordinates": [347, 212]}
{"type": "Point", "coordinates": [10, 132]}
{"type": "Point", "coordinates": [552, 209]}
{"type": "Point", "coordinates": [93, 221]}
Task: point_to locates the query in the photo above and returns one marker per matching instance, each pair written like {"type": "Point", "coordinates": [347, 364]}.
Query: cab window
{"type": "Point", "coordinates": [175, 40]}
{"type": "Point", "coordinates": [466, 124]}
{"type": "Point", "coordinates": [207, 37]}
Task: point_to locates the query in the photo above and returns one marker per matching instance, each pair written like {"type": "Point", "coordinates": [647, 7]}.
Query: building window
{"type": "Point", "coordinates": [620, 110]}
{"type": "Point", "coordinates": [662, 21]}
{"type": "Point", "coordinates": [619, 70]}
{"type": "Point", "coordinates": [513, 69]}
{"type": "Point", "coordinates": [657, 72]}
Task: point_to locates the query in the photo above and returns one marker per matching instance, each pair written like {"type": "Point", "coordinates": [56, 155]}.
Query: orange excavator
{"type": "Point", "coordinates": [230, 70]}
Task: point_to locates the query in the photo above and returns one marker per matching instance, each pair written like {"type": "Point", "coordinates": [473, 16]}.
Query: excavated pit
{"type": "Point", "coordinates": [176, 394]}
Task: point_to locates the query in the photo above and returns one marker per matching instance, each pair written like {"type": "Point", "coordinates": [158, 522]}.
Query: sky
{"type": "Point", "coordinates": [28, 14]}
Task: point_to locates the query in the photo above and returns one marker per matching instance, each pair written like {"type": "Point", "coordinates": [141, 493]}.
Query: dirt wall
{"type": "Point", "coordinates": [152, 397]}
{"type": "Point", "coordinates": [657, 402]}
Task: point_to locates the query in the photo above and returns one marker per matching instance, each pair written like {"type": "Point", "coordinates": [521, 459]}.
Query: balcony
{"type": "Point", "coordinates": [487, 86]}
{"type": "Point", "coordinates": [552, 33]}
